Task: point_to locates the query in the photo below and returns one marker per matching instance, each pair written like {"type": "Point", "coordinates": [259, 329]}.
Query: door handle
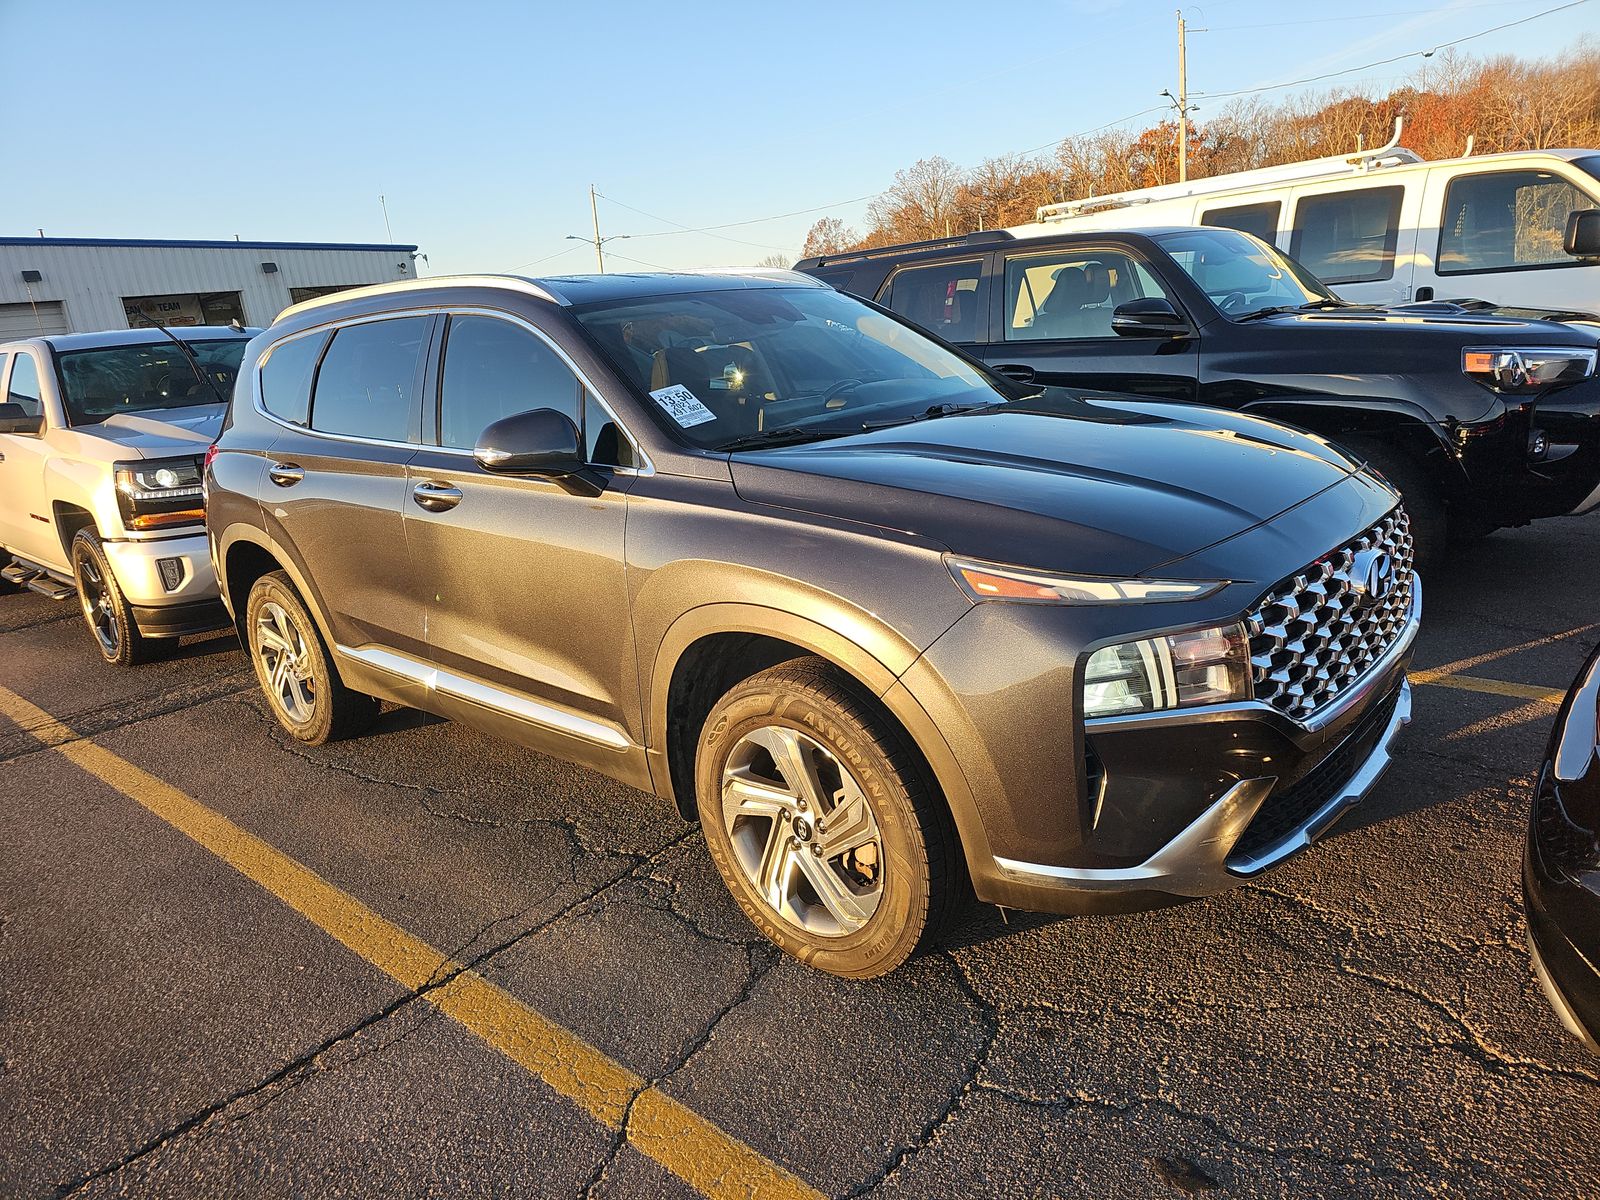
{"type": "Point", "coordinates": [436, 497]}
{"type": "Point", "coordinates": [285, 474]}
{"type": "Point", "coordinates": [1017, 371]}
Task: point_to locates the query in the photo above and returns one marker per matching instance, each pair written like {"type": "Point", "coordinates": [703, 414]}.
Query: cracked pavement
{"type": "Point", "coordinates": [1362, 1022]}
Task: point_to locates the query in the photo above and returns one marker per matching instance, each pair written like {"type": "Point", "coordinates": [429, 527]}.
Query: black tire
{"type": "Point", "coordinates": [1430, 524]}
{"type": "Point", "coordinates": [305, 692]}
{"type": "Point", "coordinates": [913, 860]}
{"type": "Point", "coordinates": [105, 609]}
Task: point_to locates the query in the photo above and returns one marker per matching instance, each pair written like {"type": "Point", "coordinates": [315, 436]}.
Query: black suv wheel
{"type": "Point", "coordinates": [105, 609]}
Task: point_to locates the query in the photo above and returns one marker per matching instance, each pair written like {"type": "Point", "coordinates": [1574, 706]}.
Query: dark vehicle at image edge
{"type": "Point", "coordinates": [1481, 421]}
{"type": "Point", "coordinates": [881, 620]}
{"type": "Point", "coordinates": [1561, 871]}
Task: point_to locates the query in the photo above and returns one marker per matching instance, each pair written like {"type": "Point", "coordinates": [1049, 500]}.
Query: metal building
{"type": "Point", "coordinates": [74, 285]}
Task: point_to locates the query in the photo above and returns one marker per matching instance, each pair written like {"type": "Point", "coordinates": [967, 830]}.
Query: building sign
{"type": "Point", "coordinates": [209, 308]}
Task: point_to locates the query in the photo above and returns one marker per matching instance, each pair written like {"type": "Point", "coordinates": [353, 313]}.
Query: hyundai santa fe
{"type": "Point", "coordinates": [889, 625]}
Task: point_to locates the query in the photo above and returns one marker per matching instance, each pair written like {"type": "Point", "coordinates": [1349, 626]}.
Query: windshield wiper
{"type": "Point", "coordinates": [194, 363]}
{"type": "Point", "coordinates": [1308, 306]}
{"type": "Point", "coordinates": [928, 414]}
{"type": "Point", "coordinates": [782, 435]}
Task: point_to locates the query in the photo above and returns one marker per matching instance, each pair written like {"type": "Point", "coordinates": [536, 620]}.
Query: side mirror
{"type": "Point", "coordinates": [539, 442]}
{"type": "Point", "coordinates": [14, 419]}
{"type": "Point", "coordinates": [1150, 317]}
{"type": "Point", "coordinates": [1583, 234]}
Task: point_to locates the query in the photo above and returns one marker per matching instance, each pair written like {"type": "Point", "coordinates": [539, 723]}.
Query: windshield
{"type": "Point", "coordinates": [100, 383]}
{"type": "Point", "coordinates": [1242, 274]}
{"type": "Point", "coordinates": [731, 366]}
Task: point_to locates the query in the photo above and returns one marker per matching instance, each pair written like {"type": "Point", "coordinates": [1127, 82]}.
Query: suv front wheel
{"type": "Point", "coordinates": [295, 670]}
{"type": "Point", "coordinates": [819, 819]}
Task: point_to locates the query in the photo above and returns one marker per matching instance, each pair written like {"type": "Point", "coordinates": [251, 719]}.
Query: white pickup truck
{"type": "Point", "coordinates": [102, 439]}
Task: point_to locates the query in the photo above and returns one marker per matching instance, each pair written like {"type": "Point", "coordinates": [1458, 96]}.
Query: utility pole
{"type": "Point", "coordinates": [1183, 103]}
{"type": "Point", "coordinates": [599, 252]}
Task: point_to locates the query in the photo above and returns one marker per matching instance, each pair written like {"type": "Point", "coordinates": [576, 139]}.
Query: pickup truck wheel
{"type": "Point", "coordinates": [1424, 504]}
{"type": "Point", "coordinates": [105, 609]}
{"type": "Point", "coordinates": [294, 668]}
{"type": "Point", "coordinates": [818, 817]}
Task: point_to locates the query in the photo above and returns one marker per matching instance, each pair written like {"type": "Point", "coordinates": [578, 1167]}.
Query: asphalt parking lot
{"type": "Point", "coordinates": [428, 963]}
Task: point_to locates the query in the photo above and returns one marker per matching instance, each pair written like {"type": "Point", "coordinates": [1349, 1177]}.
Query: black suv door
{"type": "Point", "coordinates": [1054, 323]}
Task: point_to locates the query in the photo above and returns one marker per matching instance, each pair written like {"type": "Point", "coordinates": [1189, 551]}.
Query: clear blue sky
{"type": "Point", "coordinates": [485, 123]}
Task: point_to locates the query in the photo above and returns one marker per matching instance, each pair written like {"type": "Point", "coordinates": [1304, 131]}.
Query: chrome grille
{"type": "Point", "coordinates": [1311, 637]}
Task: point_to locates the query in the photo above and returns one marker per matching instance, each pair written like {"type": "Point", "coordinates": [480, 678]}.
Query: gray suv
{"type": "Point", "coordinates": [885, 622]}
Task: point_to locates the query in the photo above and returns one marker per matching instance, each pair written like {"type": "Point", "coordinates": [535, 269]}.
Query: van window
{"type": "Point", "coordinates": [1506, 219]}
{"type": "Point", "coordinates": [944, 299]}
{"type": "Point", "coordinates": [367, 379]}
{"type": "Point", "coordinates": [1071, 293]}
{"type": "Point", "coordinates": [494, 369]}
{"type": "Point", "coordinates": [1258, 220]}
{"type": "Point", "coordinates": [1348, 237]}
{"type": "Point", "coordinates": [286, 377]}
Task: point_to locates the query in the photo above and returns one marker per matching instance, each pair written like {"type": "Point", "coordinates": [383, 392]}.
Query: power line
{"type": "Point", "coordinates": [1383, 62]}
{"type": "Point", "coordinates": [682, 228]}
{"type": "Point", "coordinates": [1408, 12]}
{"type": "Point", "coordinates": [1143, 112]}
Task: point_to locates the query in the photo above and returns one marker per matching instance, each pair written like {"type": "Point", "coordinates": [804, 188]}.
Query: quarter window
{"type": "Point", "coordinates": [368, 379]}
{"type": "Point", "coordinates": [1258, 220]}
{"type": "Point", "coordinates": [24, 390]}
{"type": "Point", "coordinates": [286, 377]}
{"type": "Point", "coordinates": [944, 299]}
{"type": "Point", "coordinates": [1348, 237]}
{"type": "Point", "coordinates": [1071, 294]}
{"type": "Point", "coordinates": [1506, 219]}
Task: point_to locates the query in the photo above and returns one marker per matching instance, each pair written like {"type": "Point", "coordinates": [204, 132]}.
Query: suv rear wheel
{"type": "Point", "coordinates": [295, 670]}
{"type": "Point", "coordinates": [105, 609]}
{"type": "Point", "coordinates": [821, 823]}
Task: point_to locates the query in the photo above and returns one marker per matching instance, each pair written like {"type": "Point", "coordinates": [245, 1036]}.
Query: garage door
{"type": "Point", "coordinates": [30, 320]}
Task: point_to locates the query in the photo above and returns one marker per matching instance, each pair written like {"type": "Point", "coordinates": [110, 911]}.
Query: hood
{"type": "Point", "coordinates": [161, 431]}
{"type": "Point", "coordinates": [1100, 484]}
{"type": "Point", "coordinates": [1469, 321]}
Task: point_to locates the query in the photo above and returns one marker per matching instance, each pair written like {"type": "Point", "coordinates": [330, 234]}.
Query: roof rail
{"type": "Point", "coordinates": [1390, 154]}
{"type": "Point", "coordinates": [981, 237]}
{"type": "Point", "coordinates": [514, 283]}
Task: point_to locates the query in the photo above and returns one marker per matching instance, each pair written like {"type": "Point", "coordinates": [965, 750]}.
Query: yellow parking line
{"type": "Point", "coordinates": [682, 1141]}
{"type": "Point", "coordinates": [1495, 687]}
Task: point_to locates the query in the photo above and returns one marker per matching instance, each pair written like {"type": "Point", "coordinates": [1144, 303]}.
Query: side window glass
{"type": "Point", "coordinates": [493, 369]}
{"type": "Point", "coordinates": [603, 438]}
{"type": "Point", "coordinates": [1071, 294]}
{"type": "Point", "coordinates": [1348, 237]}
{"type": "Point", "coordinates": [367, 379]}
{"type": "Point", "coordinates": [286, 377]}
{"type": "Point", "coordinates": [24, 388]}
{"type": "Point", "coordinates": [943, 299]}
{"type": "Point", "coordinates": [1506, 219]}
{"type": "Point", "coordinates": [1258, 220]}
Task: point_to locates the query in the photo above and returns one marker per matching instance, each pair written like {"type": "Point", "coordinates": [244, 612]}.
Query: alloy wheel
{"type": "Point", "coordinates": [98, 609]}
{"type": "Point", "coordinates": [803, 832]}
{"type": "Point", "coordinates": [285, 663]}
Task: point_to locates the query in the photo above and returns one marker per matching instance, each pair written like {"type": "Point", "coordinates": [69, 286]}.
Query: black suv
{"type": "Point", "coordinates": [881, 619]}
{"type": "Point", "coordinates": [1481, 421]}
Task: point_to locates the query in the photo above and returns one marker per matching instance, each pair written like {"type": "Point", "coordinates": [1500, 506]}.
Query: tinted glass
{"type": "Point", "coordinates": [286, 377]}
{"type": "Point", "coordinates": [24, 388]}
{"type": "Point", "coordinates": [1258, 220]}
{"type": "Point", "coordinates": [1071, 293]}
{"type": "Point", "coordinates": [943, 299]}
{"type": "Point", "coordinates": [1348, 237]}
{"type": "Point", "coordinates": [719, 367]}
{"type": "Point", "coordinates": [493, 369]}
{"type": "Point", "coordinates": [367, 379]}
{"type": "Point", "coordinates": [123, 379]}
{"type": "Point", "coordinates": [1507, 219]}
{"type": "Point", "coordinates": [603, 439]}
{"type": "Point", "coordinates": [1239, 273]}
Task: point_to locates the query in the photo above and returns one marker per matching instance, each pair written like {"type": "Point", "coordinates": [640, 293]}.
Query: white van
{"type": "Point", "coordinates": [1385, 227]}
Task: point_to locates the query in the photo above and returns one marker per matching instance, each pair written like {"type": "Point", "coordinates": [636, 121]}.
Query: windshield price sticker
{"type": "Point", "coordinates": [682, 405]}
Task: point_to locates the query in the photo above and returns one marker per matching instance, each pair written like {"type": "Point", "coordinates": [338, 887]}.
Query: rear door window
{"type": "Point", "coordinates": [1348, 236]}
{"type": "Point", "coordinates": [367, 384]}
{"type": "Point", "coordinates": [1502, 220]}
{"type": "Point", "coordinates": [286, 377]}
{"type": "Point", "coordinates": [1071, 293]}
{"type": "Point", "coordinates": [946, 298]}
{"type": "Point", "coordinates": [1258, 220]}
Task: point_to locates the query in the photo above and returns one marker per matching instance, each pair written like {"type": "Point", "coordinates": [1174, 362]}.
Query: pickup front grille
{"type": "Point", "coordinates": [1318, 632]}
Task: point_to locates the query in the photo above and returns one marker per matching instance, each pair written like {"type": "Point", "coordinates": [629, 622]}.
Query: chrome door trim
{"type": "Point", "coordinates": [511, 703]}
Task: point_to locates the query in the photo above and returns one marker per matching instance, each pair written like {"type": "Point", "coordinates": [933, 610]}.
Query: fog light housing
{"type": "Point", "coordinates": [171, 573]}
{"type": "Point", "coordinates": [1538, 444]}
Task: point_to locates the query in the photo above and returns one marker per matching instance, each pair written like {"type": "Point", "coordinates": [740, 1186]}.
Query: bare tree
{"type": "Point", "coordinates": [782, 261]}
{"type": "Point", "coordinates": [829, 235]}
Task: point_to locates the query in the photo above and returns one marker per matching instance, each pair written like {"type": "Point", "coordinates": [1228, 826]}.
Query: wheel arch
{"type": "Point", "coordinates": [244, 556]}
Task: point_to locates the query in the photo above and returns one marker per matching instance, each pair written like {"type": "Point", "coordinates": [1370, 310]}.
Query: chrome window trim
{"type": "Point", "coordinates": [511, 703]}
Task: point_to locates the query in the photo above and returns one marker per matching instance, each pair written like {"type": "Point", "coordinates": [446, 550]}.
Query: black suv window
{"type": "Point", "coordinates": [1348, 237]}
{"type": "Point", "coordinates": [1071, 293]}
{"type": "Point", "coordinates": [368, 378]}
{"type": "Point", "coordinates": [1506, 219]}
{"type": "Point", "coordinates": [493, 369]}
{"type": "Point", "coordinates": [1258, 220]}
{"type": "Point", "coordinates": [945, 298]}
{"type": "Point", "coordinates": [286, 377]}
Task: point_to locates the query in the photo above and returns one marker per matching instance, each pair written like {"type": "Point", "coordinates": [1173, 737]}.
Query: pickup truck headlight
{"type": "Point", "coordinates": [1521, 372]}
{"type": "Point", "coordinates": [153, 493]}
{"type": "Point", "coordinates": [1180, 670]}
{"type": "Point", "coordinates": [991, 581]}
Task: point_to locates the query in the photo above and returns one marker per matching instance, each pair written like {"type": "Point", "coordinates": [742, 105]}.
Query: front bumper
{"type": "Point", "coordinates": [169, 583]}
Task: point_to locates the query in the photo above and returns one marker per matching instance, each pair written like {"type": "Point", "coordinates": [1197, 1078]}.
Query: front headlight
{"type": "Point", "coordinates": [1531, 370]}
{"type": "Point", "coordinates": [991, 581]}
{"type": "Point", "coordinates": [1180, 670]}
{"type": "Point", "coordinates": [156, 492]}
